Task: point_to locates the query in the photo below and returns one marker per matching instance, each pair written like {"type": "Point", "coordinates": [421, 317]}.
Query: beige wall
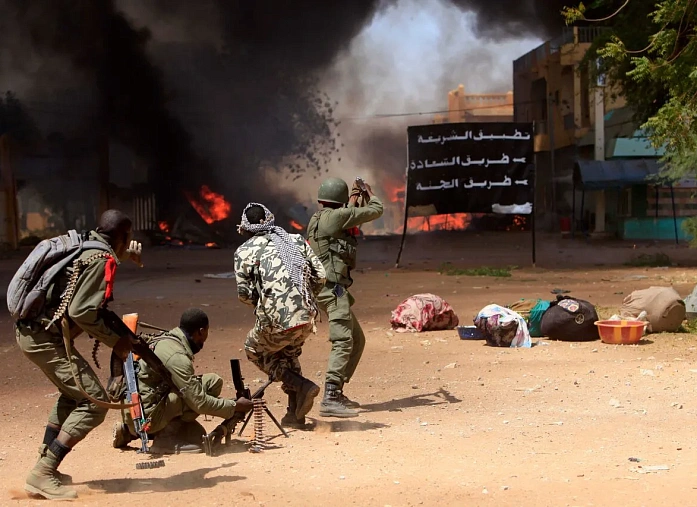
{"type": "Point", "coordinates": [473, 107]}
{"type": "Point", "coordinates": [554, 69]}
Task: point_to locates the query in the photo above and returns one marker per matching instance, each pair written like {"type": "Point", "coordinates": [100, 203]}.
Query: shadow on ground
{"type": "Point", "coordinates": [193, 479]}
{"type": "Point", "coordinates": [420, 400]}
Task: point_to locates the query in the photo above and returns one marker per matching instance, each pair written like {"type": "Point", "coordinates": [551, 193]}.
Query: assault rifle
{"type": "Point", "coordinates": [139, 348]}
{"type": "Point", "coordinates": [224, 431]}
{"type": "Point", "coordinates": [141, 424]}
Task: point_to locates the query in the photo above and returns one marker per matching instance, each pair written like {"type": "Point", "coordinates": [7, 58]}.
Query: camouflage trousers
{"type": "Point", "coordinates": [72, 412]}
{"type": "Point", "coordinates": [274, 352]}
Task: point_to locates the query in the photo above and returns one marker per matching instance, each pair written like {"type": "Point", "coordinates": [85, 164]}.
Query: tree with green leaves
{"type": "Point", "coordinates": [651, 52]}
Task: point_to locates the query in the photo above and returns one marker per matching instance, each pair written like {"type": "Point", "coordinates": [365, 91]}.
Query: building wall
{"type": "Point", "coordinates": [477, 107]}
{"type": "Point", "coordinates": [551, 88]}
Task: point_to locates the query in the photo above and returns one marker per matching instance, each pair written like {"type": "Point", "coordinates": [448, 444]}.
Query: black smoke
{"type": "Point", "coordinates": [230, 91]}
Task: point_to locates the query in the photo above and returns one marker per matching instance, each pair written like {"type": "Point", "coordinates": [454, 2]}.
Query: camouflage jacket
{"type": "Point", "coordinates": [172, 348]}
{"type": "Point", "coordinates": [268, 286]}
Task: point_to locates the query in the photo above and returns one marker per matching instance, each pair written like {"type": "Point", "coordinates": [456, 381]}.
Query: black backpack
{"type": "Point", "coordinates": [570, 319]}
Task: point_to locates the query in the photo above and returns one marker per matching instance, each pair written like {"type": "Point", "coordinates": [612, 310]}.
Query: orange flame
{"type": "Point", "coordinates": [518, 224]}
{"type": "Point", "coordinates": [212, 245]}
{"type": "Point", "coordinates": [453, 222]}
{"type": "Point", "coordinates": [214, 206]}
{"type": "Point", "coordinates": [163, 225]}
{"type": "Point", "coordinates": [295, 225]}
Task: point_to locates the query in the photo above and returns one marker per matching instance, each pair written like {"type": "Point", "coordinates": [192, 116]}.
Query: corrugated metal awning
{"type": "Point", "coordinates": [602, 174]}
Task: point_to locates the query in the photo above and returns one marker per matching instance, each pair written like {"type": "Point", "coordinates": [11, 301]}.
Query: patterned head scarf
{"type": "Point", "coordinates": [292, 258]}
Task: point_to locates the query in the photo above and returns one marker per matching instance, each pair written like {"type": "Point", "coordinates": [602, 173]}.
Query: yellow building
{"type": "Point", "coordinates": [587, 178]}
{"type": "Point", "coordinates": [477, 107]}
{"type": "Point", "coordinates": [550, 83]}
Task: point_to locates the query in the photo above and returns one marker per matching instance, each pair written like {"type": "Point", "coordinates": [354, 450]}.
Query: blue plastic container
{"type": "Point", "coordinates": [469, 333]}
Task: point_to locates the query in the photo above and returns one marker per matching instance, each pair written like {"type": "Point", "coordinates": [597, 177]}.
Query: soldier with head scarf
{"type": "Point", "coordinates": [279, 274]}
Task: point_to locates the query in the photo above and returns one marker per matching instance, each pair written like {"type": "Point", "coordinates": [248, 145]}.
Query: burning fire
{"type": "Point", "coordinates": [212, 245]}
{"type": "Point", "coordinates": [214, 206]}
{"type": "Point", "coordinates": [519, 223]}
{"type": "Point", "coordinates": [454, 222]}
{"type": "Point", "coordinates": [163, 225]}
{"type": "Point", "coordinates": [295, 225]}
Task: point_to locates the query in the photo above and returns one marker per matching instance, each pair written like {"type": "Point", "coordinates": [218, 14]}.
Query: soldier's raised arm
{"type": "Point", "coordinates": [355, 216]}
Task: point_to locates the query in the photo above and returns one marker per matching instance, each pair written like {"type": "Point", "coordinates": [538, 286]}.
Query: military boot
{"type": "Point", "coordinates": [332, 405]}
{"type": "Point", "coordinates": [121, 436]}
{"type": "Point", "coordinates": [306, 392]}
{"type": "Point", "coordinates": [348, 402]}
{"type": "Point", "coordinates": [63, 478]}
{"type": "Point", "coordinates": [175, 439]}
{"type": "Point", "coordinates": [43, 480]}
{"type": "Point", "coordinates": [290, 420]}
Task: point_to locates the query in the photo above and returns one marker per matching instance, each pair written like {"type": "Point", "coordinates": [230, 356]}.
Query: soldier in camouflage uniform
{"type": "Point", "coordinates": [280, 276]}
{"type": "Point", "coordinates": [73, 415]}
{"type": "Point", "coordinates": [332, 234]}
{"type": "Point", "coordinates": [173, 424]}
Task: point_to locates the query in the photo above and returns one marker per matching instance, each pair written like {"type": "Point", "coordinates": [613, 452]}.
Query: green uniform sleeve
{"type": "Point", "coordinates": [182, 370]}
{"type": "Point", "coordinates": [319, 275]}
{"type": "Point", "coordinates": [88, 299]}
{"type": "Point", "coordinates": [245, 282]}
{"type": "Point", "coordinates": [345, 218]}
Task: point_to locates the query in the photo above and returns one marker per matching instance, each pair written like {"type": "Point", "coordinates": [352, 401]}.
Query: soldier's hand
{"type": "Point", "coordinates": [135, 249]}
{"type": "Point", "coordinates": [243, 405]}
{"type": "Point", "coordinates": [369, 190]}
{"type": "Point", "coordinates": [122, 348]}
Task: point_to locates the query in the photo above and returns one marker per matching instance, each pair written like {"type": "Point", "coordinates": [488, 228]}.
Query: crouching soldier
{"type": "Point", "coordinates": [172, 418]}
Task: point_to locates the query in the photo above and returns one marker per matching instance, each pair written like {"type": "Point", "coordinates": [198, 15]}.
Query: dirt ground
{"type": "Point", "coordinates": [444, 421]}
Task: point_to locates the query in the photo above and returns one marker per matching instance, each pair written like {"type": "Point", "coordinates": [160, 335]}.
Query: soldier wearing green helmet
{"type": "Point", "coordinates": [332, 235]}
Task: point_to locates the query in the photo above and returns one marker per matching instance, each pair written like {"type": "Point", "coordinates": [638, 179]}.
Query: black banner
{"type": "Point", "coordinates": [470, 168]}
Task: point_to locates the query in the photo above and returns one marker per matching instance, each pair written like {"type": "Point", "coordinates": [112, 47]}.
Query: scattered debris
{"type": "Point", "coordinates": [220, 275]}
{"type": "Point", "coordinates": [560, 291]}
{"type": "Point", "coordinates": [649, 469]}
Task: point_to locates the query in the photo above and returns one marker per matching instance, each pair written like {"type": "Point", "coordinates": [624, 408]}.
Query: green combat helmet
{"type": "Point", "coordinates": [333, 190]}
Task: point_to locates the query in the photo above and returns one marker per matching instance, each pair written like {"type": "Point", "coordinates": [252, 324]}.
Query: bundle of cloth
{"type": "Point", "coordinates": [662, 308]}
{"type": "Point", "coordinates": [502, 327]}
{"type": "Point", "coordinates": [423, 312]}
{"type": "Point", "coordinates": [570, 319]}
{"type": "Point", "coordinates": [533, 310]}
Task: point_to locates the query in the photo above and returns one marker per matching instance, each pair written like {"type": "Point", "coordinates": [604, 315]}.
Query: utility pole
{"type": "Point", "coordinates": [599, 147]}
{"type": "Point", "coordinates": [553, 172]}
